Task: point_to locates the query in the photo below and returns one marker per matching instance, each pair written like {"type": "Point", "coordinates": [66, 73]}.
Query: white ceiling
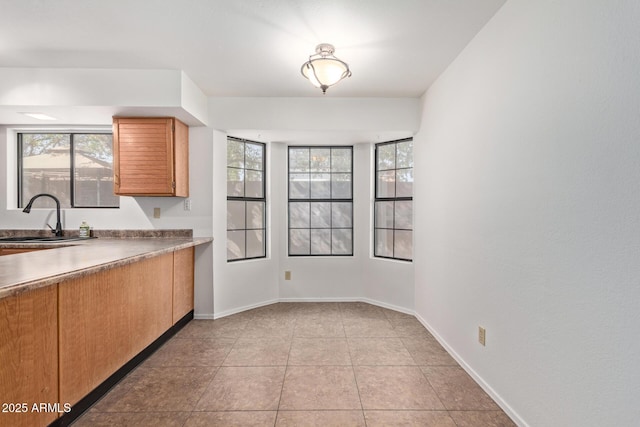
{"type": "Point", "coordinates": [396, 48]}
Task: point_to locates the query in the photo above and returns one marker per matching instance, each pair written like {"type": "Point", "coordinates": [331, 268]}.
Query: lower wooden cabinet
{"type": "Point", "coordinates": [109, 317]}
{"type": "Point", "coordinates": [59, 342]}
{"type": "Point", "coordinates": [29, 358]}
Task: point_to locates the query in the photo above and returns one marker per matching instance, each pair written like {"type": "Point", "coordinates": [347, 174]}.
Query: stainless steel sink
{"type": "Point", "coordinates": [36, 239]}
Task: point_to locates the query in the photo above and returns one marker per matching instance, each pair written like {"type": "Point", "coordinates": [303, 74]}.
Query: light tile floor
{"type": "Point", "coordinates": [299, 364]}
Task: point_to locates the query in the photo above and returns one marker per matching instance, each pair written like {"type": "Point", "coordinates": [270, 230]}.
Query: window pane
{"type": "Point", "coordinates": [235, 182]}
{"type": "Point", "coordinates": [235, 153]}
{"type": "Point", "coordinates": [299, 186]}
{"type": "Point", "coordinates": [386, 157]}
{"type": "Point", "coordinates": [235, 244]}
{"type": "Point", "coordinates": [299, 215]}
{"type": "Point", "coordinates": [320, 186]}
{"type": "Point", "coordinates": [255, 243]}
{"type": "Point", "coordinates": [321, 242]}
{"type": "Point", "coordinates": [341, 215]}
{"type": "Point", "coordinates": [93, 170]}
{"type": "Point", "coordinates": [404, 183]}
{"type": "Point", "coordinates": [246, 204]}
{"type": "Point", "coordinates": [253, 185]}
{"type": "Point", "coordinates": [384, 243]}
{"type": "Point", "coordinates": [384, 215]}
{"type": "Point", "coordinates": [341, 242]}
{"type": "Point", "coordinates": [386, 184]}
{"type": "Point", "coordinates": [254, 156]}
{"type": "Point", "coordinates": [393, 205]}
{"type": "Point", "coordinates": [46, 168]}
{"type": "Point", "coordinates": [298, 159]}
{"type": "Point", "coordinates": [404, 215]}
{"type": "Point", "coordinates": [404, 154]}
{"type": "Point", "coordinates": [321, 215]}
{"type": "Point", "coordinates": [341, 160]}
{"type": "Point", "coordinates": [312, 225]}
{"type": "Point", "coordinates": [255, 215]}
{"type": "Point", "coordinates": [235, 215]}
{"type": "Point", "coordinates": [299, 242]}
{"type": "Point", "coordinates": [403, 247]}
{"type": "Point", "coordinates": [341, 186]}
{"type": "Point", "coordinates": [320, 160]}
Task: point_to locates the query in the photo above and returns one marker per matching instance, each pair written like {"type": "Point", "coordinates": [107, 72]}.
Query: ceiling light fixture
{"type": "Point", "coordinates": [323, 69]}
{"type": "Point", "coordinates": [39, 116]}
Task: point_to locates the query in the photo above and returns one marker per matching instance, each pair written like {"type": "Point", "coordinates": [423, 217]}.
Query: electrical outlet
{"type": "Point", "coordinates": [482, 335]}
{"type": "Point", "coordinates": [187, 204]}
{"type": "Point", "coordinates": [287, 275]}
{"type": "Point", "coordinates": [156, 212]}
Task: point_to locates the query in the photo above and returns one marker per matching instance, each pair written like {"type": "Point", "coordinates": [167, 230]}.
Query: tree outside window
{"type": "Point", "coordinates": [77, 168]}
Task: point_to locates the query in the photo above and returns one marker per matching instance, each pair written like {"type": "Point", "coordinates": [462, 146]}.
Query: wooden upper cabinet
{"type": "Point", "coordinates": [151, 156]}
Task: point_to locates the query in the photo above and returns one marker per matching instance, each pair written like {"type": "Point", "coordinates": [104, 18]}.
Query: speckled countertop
{"type": "Point", "coordinates": [72, 259]}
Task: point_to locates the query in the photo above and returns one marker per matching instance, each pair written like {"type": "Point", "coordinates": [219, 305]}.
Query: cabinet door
{"type": "Point", "coordinates": [29, 357]}
{"type": "Point", "coordinates": [182, 283]}
{"type": "Point", "coordinates": [143, 156]}
{"type": "Point", "coordinates": [107, 318]}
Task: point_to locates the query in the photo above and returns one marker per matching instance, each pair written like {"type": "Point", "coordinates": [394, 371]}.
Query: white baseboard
{"type": "Point", "coordinates": [481, 382]}
{"type": "Point", "coordinates": [346, 299]}
{"type": "Point", "coordinates": [241, 309]}
{"type": "Point", "coordinates": [203, 316]}
{"type": "Point", "coordinates": [388, 306]}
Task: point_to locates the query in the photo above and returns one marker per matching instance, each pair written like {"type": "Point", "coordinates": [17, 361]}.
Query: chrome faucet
{"type": "Point", "coordinates": [27, 209]}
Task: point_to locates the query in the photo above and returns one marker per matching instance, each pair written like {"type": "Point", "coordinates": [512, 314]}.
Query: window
{"type": "Point", "coordinates": [246, 201]}
{"type": "Point", "coordinates": [393, 206]}
{"type": "Point", "coordinates": [320, 201]}
{"type": "Point", "coordinates": [77, 168]}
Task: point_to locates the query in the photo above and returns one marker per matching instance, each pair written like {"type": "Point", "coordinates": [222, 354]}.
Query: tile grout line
{"type": "Point", "coordinates": [353, 369]}
{"type": "Point", "coordinates": [355, 379]}
{"type": "Point", "coordinates": [286, 368]}
{"type": "Point", "coordinates": [435, 392]}
{"type": "Point", "coordinates": [214, 376]}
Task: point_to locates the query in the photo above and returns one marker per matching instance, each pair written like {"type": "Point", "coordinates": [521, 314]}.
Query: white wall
{"type": "Point", "coordinates": [308, 121]}
{"type": "Point", "coordinates": [76, 95]}
{"type": "Point", "coordinates": [324, 278]}
{"type": "Point", "coordinates": [316, 114]}
{"type": "Point", "coordinates": [245, 284]}
{"type": "Point", "coordinates": [527, 208]}
{"type": "Point", "coordinates": [385, 282]}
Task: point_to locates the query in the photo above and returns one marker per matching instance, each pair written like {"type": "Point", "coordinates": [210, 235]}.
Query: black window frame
{"type": "Point", "coordinates": [262, 199]}
{"type": "Point", "coordinates": [72, 175]}
{"type": "Point", "coordinates": [388, 199]}
{"type": "Point", "coordinates": [319, 200]}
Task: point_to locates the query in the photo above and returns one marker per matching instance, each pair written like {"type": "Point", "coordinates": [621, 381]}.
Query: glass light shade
{"type": "Point", "coordinates": [325, 72]}
{"type": "Point", "coordinates": [323, 69]}
{"type": "Point", "coordinates": [307, 71]}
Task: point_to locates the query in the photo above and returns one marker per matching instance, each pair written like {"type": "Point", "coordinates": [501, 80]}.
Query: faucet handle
{"type": "Point", "coordinates": [53, 230]}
